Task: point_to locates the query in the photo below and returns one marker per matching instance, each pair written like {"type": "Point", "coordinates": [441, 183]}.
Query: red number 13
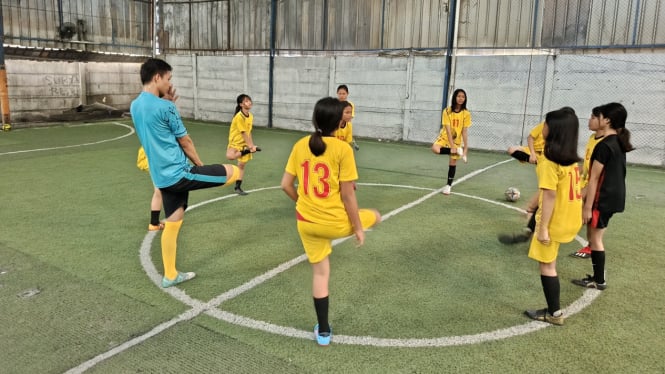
{"type": "Point", "coordinates": [321, 186]}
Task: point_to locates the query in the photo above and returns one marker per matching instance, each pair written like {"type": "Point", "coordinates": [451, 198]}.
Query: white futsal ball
{"type": "Point", "coordinates": [512, 194]}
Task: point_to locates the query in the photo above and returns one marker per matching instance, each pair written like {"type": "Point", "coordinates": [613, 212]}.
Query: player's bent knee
{"type": "Point", "coordinates": [378, 216]}
{"type": "Point", "coordinates": [232, 154]}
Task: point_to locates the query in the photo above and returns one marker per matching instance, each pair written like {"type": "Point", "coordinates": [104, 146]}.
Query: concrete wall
{"type": "Point", "coordinates": [397, 97]}
{"type": "Point", "coordinates": [38, 91]}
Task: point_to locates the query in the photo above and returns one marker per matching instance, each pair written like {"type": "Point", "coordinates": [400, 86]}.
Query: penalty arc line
{"type": "Point", "coordinates": [210, 307]}
{"type": "Point", "coordinates": [131, 131]}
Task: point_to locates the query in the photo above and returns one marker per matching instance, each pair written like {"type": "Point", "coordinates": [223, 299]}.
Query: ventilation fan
{"type": "Point", "coordinates": [67, 30]}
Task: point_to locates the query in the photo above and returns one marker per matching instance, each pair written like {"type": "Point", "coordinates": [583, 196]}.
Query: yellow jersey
{"type": "Point", "coordinates": [567, 215]}
{"type": "Point", "coordinates": [457, 121]}
{"type": "Point", "coordinates": [319, 177]}
{"type": "Point", "coordinates": [239, 125]}
{"type": "Point", "coordinates": [590, 146]}
{"type": "Point", "coordinates": [538, 139]}
{"type": "Point", "coordinates": [345, 133]}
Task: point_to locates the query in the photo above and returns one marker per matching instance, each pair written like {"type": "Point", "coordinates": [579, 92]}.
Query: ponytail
{"type": "Point", "coordinates": [617, 115]}
{"type": "Point", "coordinates": [624, 139]}
{"type": "Point", "coordinates": [326, 119]}
{"type": "Point", "coordinates": [316, 144]}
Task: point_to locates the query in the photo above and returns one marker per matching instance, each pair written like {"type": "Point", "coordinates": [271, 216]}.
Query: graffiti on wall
{"type": "Point", "coordinates": [63, 85]}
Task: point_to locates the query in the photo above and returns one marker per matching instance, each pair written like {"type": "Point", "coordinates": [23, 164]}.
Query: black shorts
{"type": "Point", "coordinates": [199, 177]}
{"type": "Point", "coordinates": [600, 220]}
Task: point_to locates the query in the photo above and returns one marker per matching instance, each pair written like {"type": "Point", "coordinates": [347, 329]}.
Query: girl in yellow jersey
{"type": "Point", "coordinates": [241, 145]}
{"type": "Point", "coordinates": [156, 201]}
{"type": "Point", "coordinates": [326, 206]}
{"type": "Point", "coordinates": [453, 138]}
{"type": "Point", "coordinates": [534, 148]}
{"type": "Point", "coordinates": [346, 130]}
{"type": "Point", "coordinates": [559, 215]}
{"type": "Point", "coordinates": [530, 154]}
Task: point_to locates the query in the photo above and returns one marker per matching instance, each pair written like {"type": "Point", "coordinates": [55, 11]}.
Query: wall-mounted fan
{"type": "Point", "coordinates": [67, 30]}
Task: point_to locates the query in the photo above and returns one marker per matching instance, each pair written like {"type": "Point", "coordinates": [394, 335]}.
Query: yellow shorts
{"type": "Point", "coordinates": [244, 159]}
{"type": "Point", "coordinates": [442, 141]}
{"type": "Point", "coordinates": [317, 238]}
{"type": "Point", "coordinates": [543, 253]}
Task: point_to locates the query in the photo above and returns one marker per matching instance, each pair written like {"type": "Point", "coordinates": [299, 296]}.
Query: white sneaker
{"type": "Point", "coordinates": [446, 190]}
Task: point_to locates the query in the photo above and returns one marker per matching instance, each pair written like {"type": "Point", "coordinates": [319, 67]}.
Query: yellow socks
{"type": "Point", "coordinates": [169, 245]}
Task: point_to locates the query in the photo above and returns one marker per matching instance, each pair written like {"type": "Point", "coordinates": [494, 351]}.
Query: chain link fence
{"type": "Point", "coordinates": [506, 112]}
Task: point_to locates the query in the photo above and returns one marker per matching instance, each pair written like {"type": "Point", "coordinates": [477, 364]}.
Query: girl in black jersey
{"type": "Point", "coordinates": [606, 190]}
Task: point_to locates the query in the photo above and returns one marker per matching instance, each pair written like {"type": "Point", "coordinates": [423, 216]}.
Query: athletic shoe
{"type": "Point", "coordinates": [258, 149]}
{"type": "Point", "coordinates": [181, 277]}
{"type": "Point", "coordinates": [446, 189]}
{"type": "Point", "coordinates": [322, 339]}
{"type": "Point", "coordinates": [543, 316]}
{"type": "Point", "coordinates": [584, 252]}
{"type": "Point", "coordinates": [152, 227]}
{"type": "Point", "coordinates": [588, 282]}
{"type": "Point", "coordinates": [514, 238]}
{"type": "Point", "coordinates": [240, 192]}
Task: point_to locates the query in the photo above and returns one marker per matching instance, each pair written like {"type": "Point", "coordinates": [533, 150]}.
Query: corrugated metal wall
{"type": "Point", "coordinates": [326, 25]}
{"type": "Point", "coordinates": [308, 25]}
{"type": "Point", "coordinates": [415, 24]}
{"type": "Point", "coordinates": [218, 26]}
{"type": "Point", "coordinates": [602, 24]}
{"type": "Point", "coordinates": [119, 26]}
{"type": "Point", "coordinates": [496, 24]}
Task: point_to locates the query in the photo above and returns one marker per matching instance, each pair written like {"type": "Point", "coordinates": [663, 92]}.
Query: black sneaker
{"type": "Point", "coordinates": [514, 238]}
{"type": "Point", "coordinates": [542, 315]}
{"type": "Point", "coordinates": [240, 192]}
{"type": "Point", "coordinates": [589, 282]}
{"type": "Point", "coordinates": [258, 149]}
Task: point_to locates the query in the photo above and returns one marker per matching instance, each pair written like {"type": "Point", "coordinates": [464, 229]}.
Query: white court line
{"type": "Point", "coordinates": [131, 131]}
{"type": "Point", "coordinates": [579, 239]}
{"type": "Point", "coordinates": [210, 307]}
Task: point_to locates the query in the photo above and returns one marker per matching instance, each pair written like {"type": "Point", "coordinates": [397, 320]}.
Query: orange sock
{"type": "Point", "coordinates": [169, 247]}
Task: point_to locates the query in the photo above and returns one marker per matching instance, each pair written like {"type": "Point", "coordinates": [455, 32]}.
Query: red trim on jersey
{"type": "Point", "coordinates": [299, 217]}
{"type": "Point", "coordinates": [595, 215]}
